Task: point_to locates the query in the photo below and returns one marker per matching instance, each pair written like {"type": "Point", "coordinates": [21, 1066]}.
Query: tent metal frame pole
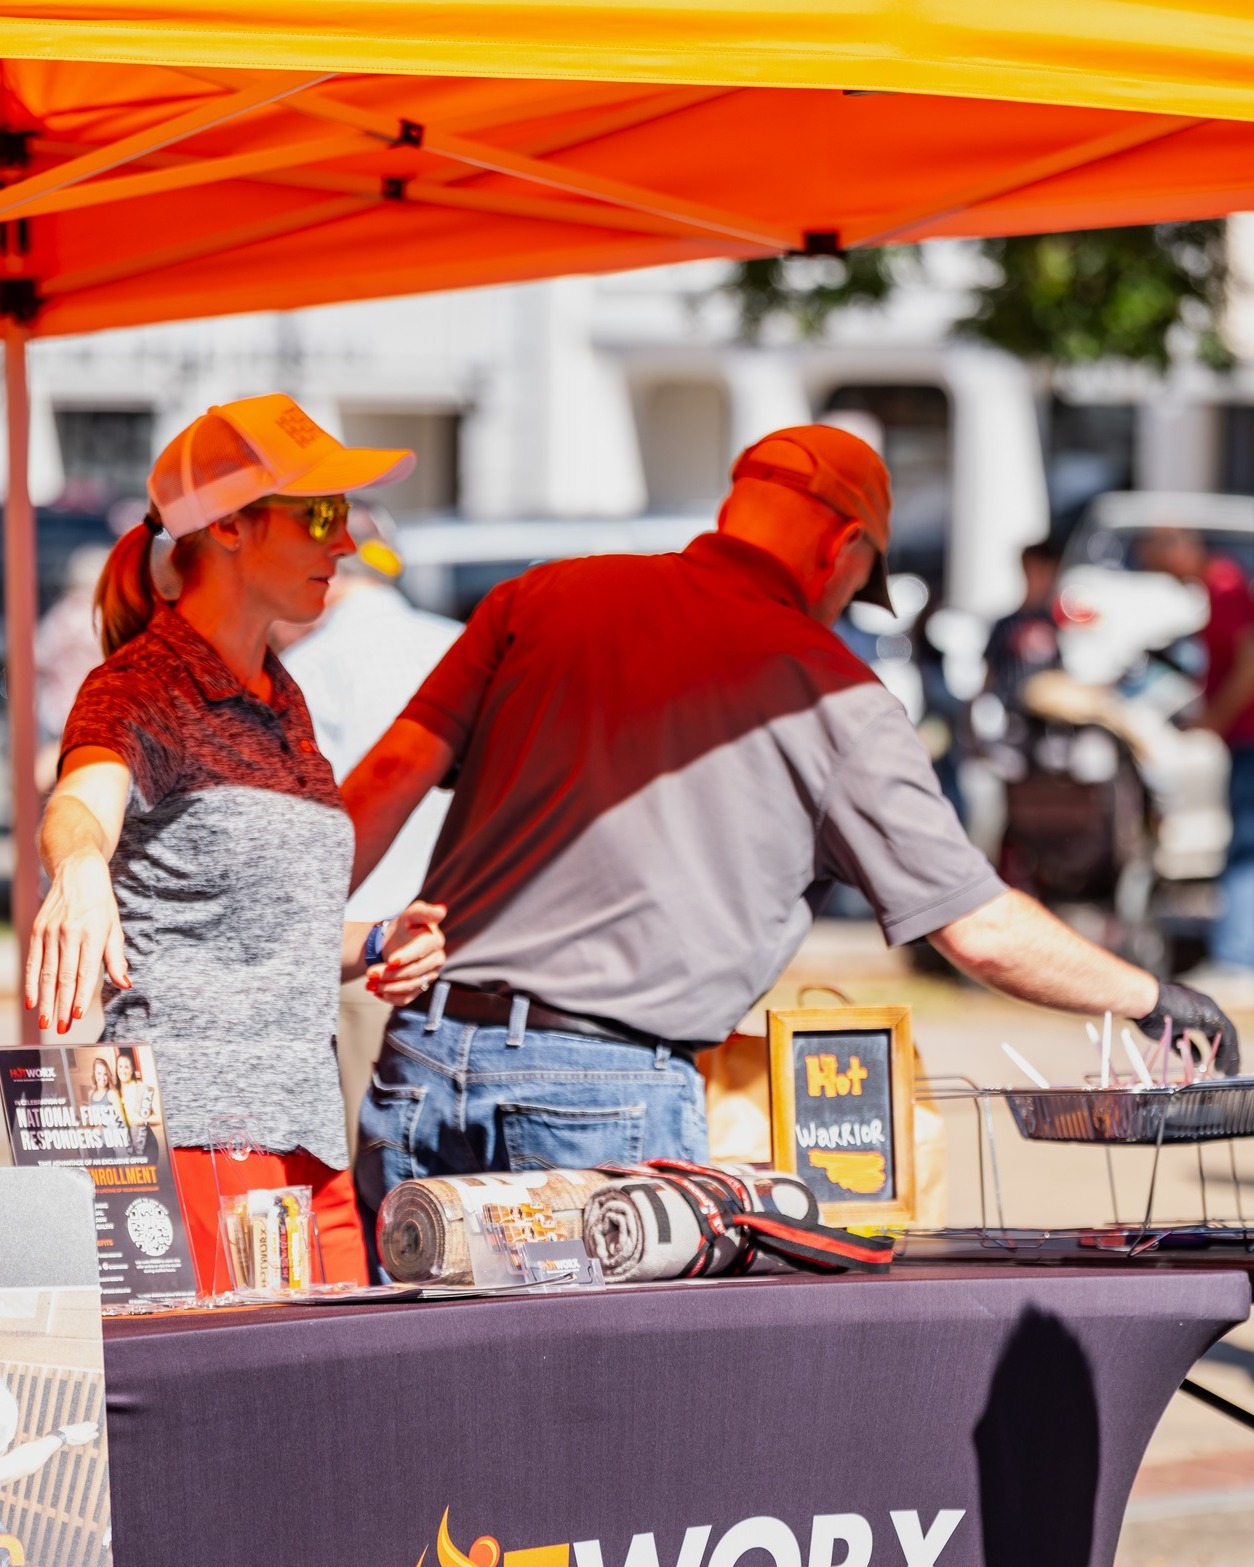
{"type": "Point", "coordinates": [102, 159]}
{"type": "Point", "coordinates": [20, 611]}
{"type": "Point", "coordinates": [898, 228]}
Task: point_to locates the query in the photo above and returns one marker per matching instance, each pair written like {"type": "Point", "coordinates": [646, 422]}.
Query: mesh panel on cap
{"type": "Point", "coordinates": [218, 451]}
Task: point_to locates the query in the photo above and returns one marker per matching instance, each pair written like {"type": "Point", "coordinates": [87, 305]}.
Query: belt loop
{"type": "Point", "coordinates": [517, 1021]}
{"type": "Point", "coordinates": [435, 1012]}
{"type": "Point", "coordinates": [661, 1055]}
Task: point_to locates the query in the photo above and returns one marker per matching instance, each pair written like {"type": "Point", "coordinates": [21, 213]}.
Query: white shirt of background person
{"type": "Point", "coordinates": [357, 669]}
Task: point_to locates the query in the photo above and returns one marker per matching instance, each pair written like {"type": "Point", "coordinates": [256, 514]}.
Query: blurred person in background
{"type": "Point", "coordinates": [357, 665]}
{"type": "Point", "coordinates": [1228, 696]}
{"type": "Point", "coordinates": [67, 649]}
{"type": "Point", "coordinates": [1025, 642]}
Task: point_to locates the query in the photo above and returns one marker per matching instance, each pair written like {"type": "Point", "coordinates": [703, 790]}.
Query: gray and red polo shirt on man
{"type": "Point", "coordinates": [664, 763]}
{"type": "Point", "coordinates": [230, 875]}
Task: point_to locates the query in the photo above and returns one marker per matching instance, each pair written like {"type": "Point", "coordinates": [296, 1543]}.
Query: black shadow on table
{"type": "Point", "coordinates": [1038, 1448]}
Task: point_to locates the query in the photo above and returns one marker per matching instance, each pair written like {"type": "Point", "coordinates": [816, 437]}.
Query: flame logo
{"type": "Point", "coordinates": [485, 1552]}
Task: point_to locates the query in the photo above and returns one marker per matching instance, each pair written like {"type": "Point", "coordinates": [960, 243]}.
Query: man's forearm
{"type": "Point", "coordinates": [387, 785]}
{"type": "Point", "coordinates": [1014, 945]}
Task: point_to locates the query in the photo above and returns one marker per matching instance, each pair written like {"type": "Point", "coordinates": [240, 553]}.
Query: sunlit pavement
{"type": "Point", "coordinates": [1193, 1504]}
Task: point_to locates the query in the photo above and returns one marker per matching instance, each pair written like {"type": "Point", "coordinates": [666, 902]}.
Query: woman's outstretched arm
{"type": "Point", "coordinates": [78, 926]}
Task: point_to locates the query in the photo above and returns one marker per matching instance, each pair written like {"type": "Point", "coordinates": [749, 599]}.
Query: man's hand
{"type": "Point", "coordinates": [76, 928]}
{"type": "Point", "coordinates": [413, 955]}
{"type": "Point", "coordinates": [1192, 1012]}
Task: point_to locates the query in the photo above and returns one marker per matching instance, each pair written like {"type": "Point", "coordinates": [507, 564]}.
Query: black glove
{"type": "Point", "coordinates": [1191, 1012]}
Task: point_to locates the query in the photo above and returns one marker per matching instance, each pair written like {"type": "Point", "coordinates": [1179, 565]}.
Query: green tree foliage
{"type": "Point", "coordinates": [1127, 293]}
{"type": "Point", "coordinates": [805, 291]}
{"type": "Point", "coordinates": [1138, 294]}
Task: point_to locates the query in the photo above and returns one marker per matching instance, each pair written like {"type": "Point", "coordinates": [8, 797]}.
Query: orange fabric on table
{"type": "Point", "coordinates": [334, 1204]}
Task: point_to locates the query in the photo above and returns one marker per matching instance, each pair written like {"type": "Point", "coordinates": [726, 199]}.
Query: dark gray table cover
{"type": "Point", "coordinates": [723, 1418]}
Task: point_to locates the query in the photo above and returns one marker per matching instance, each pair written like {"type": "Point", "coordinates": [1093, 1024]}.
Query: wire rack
{"type": "Point", "coordinates": [1150, 1118]}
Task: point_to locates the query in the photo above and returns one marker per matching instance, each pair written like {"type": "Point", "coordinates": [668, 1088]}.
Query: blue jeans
{"type": "Point", "coordinates": [1232, 941]}
{"type": "Point", "coordinates": [462, 1098]}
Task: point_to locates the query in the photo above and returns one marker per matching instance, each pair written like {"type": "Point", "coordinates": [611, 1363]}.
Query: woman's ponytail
{"type": "Point", "coordinates": [126, 598]}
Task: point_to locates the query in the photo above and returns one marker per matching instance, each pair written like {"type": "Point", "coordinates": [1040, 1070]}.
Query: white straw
{"type": "Point", "coordinates": [1094, 1037]}
{"type": "Point", "coordinates": [1214, 1051]}
{"type": "Point", "coordinates": [1025, 1067]}
{"type": "Point", "coordinates": [1106, 1026]}
{"type": "Point", "coordinates": [1166, 1050]}
{"type": "Point", "coordinates": [1137, 1059]}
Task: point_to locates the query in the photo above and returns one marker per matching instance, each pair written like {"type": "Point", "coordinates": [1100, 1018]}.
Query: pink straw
{"type": "Point", "coordinates": [1166, 1050]}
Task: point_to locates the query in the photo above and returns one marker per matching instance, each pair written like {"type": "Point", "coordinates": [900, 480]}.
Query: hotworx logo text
{"type": "Point", "coordinates": [829, 1540]}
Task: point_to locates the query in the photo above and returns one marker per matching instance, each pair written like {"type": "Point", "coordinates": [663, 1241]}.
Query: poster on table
{"type": "Point", "coordinates": [842, 1109]}
{"type": "Point", "coordinates": [98, 1108]}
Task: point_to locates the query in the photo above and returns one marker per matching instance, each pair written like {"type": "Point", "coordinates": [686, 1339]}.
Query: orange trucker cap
{"type": "Point", "coordinates": [238, 452]}
{"type": "Point", "coordinates": [839, 471]}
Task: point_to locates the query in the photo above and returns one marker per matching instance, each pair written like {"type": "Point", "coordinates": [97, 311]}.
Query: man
{"type": "Point", "coordinates": [356, 666]}
{"type": "Point", "coordinates": [662, 763]}
{"type": "Point", "coordinates": [1228, 695]}
{"type": "Point", "coordinates": [1025, 642]}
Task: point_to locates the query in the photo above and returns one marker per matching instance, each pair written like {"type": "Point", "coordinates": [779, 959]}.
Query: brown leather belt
{"type": "Point", "coordinates": [465, 1004]}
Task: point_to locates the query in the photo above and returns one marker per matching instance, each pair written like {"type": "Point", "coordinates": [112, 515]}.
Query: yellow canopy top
{"type": "Point", "coordinates": [1189, 57]}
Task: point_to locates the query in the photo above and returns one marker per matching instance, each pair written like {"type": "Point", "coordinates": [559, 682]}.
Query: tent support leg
{"type": "Point", "coordinates": [20, 608]}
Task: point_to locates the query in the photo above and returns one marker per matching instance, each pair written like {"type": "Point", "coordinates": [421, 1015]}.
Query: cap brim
{"type": "Point", "coordinates": [351, 468]}
{"type": "Point", "coordinates": [876, 589]}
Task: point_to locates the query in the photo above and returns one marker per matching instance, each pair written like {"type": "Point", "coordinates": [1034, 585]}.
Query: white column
{"type": "Point", "coordinates": [20, 608]}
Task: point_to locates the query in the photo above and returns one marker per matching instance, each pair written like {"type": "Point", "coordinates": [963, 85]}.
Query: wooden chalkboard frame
{"type": "Point", "coordinates": [782, 1029]}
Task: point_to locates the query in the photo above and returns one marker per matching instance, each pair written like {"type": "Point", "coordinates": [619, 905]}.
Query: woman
{"type": "Point", "coordinates": [196, 841]}
{"type": "Point", "coordinates": [136, 1104]}
{"type": "Point", "coordinates": [103, 1088]}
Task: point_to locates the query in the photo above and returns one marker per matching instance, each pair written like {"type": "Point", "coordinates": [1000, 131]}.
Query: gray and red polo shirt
{"type": "Point", "coordinates": [663, 765]}
{"type": "Point", "coordinates": [230, 875]}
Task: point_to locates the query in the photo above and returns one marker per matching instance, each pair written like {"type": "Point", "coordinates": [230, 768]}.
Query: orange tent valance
{"type": "Point", "coordinates": [139, 193]}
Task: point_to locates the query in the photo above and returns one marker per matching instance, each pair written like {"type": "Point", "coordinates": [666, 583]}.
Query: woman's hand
{"type": "Point", "coordinates": [413, 955]}
{"type": "Point", "coordinates": [78, 924]}
{"type": "Point", "coordinates": [75, 929]}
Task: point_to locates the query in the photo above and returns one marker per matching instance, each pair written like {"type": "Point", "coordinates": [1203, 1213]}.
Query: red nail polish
{"type": "Point", "coordinates": [126, 984]}
{"type": "Point", "coordinates": [63, 1028]}
{"type": "Point", "coordinates": [77, 1012]}
{"type": "Point", "coordinates": [43, 1021]}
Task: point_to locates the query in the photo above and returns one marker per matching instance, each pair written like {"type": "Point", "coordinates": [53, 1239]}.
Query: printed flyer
{"type": "Point", "coordinates": [98, 1108]}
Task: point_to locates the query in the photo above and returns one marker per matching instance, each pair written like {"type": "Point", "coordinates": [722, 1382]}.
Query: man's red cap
{"type": "Point", "coordinates": [839, 471]}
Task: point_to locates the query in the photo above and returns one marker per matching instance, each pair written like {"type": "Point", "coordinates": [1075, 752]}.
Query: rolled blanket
{"type": "Point", "coordinates": [421, 1231]}
{"type": "Point", "coordinates": [647, 1226]}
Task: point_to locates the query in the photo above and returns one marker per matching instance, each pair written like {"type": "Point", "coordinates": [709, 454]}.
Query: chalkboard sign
{"type": "Point", "coordinates": [842, 1084]}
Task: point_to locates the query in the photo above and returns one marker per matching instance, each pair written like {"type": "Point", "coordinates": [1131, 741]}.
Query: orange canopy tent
{"type": "Point", "coordinates": [172, 158]}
